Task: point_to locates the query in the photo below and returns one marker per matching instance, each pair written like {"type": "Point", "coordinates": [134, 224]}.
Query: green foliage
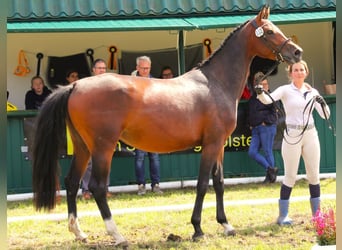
{"type": "Point", "coordinates": [325, 226]}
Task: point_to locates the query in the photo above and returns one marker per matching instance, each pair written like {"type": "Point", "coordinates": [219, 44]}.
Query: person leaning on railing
{"type": "Point", "coordinates": [263, 123]}
{"type": "Point", "coordinates": [143, 69]}
{"type": "Point", "coordinates": [35, 97]}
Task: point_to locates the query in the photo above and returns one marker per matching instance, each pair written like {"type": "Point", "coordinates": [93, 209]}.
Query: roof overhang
{"type": "Point", "coordinates": [143, 24]}
{"type": "Point", "coordinates": [279, 18]}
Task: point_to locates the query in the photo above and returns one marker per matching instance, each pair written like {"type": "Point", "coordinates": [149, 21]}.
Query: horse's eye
{"type": "Point", "coordinates": [269, 32]}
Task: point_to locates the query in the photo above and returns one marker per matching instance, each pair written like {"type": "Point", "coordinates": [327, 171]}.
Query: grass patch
{"type": "Point", "coordinates": [255, 224]}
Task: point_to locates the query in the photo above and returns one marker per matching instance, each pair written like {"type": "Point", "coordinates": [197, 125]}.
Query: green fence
{"type": "Point", "coordinates": [173, 166]}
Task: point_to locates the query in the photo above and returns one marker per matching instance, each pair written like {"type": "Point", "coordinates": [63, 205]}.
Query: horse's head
{"type": "Point", "coordinates": [270, 42]}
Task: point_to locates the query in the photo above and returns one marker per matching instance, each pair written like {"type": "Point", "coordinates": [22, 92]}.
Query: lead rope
{"type": "Point", "coordinates": [284, 127]}
{"type": "Point", "coordinates": [277, 107]}
{"type": "Point", "coordinates": [268, 73]}
{"type": "Point", "coordinates": [301, 134]}
{"type": "Point", "coordinates": [311, 105]}
{"type": "Point", "coordinates": [328, 120]}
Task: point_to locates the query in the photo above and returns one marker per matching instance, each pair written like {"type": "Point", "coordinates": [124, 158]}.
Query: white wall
{"type": "Point", "coordinates": [63, 44]}
{"type": "Point", "coordinates": [314, 38]}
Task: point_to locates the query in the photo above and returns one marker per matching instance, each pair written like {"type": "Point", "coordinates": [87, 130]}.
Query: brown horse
{"type": "Point", "coordinates": [156, 115]}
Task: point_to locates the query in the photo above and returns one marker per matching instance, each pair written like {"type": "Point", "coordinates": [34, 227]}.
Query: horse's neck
{"type": "Point", "coordinates": [230, 65]}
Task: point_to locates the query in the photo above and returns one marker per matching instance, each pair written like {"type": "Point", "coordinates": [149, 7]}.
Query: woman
{"type": "Point", "coordinates": [71, 76]}
{"type": "Point", "coordinates": [35, 97]}
{"type": "Point", "coordinates": [300, 138]}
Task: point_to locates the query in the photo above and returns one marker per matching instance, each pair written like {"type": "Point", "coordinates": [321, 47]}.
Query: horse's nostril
{"type": "Point", "coordinates": [298, 52]}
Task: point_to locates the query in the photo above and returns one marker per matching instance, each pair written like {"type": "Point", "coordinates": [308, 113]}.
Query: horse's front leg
{"type": "Point", "coordinates": [98, 187]}
{"type": "Point", "coordinates": [202, 187]}
{"type": "Point", "coordinates": [72, 183]}
{"type": "Point", "coordinates": [218, 183]}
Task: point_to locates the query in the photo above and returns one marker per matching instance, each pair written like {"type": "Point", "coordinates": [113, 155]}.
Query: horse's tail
{"type": "Point", "coordinates": [48, 138]}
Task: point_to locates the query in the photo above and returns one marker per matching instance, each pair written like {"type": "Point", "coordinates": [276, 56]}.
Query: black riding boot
{"type": "Point", "coordinates": [272, 173]}
{"type": "Point", "coordinates": [267, 178]}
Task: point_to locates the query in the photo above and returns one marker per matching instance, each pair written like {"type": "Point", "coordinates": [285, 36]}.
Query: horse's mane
{"type": "Point", "coordinates": [206, 61]}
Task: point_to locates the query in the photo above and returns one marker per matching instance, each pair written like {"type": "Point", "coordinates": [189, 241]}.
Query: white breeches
{"type": "Point", "coordinates": [293, 148]}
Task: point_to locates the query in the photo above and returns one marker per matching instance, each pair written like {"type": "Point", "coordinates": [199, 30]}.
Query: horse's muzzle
{"type": "Point", "coordinates": [293, 54]}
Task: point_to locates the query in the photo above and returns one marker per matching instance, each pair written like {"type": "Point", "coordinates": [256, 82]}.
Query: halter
{"type": "Point", "coordinates": [259, 32]}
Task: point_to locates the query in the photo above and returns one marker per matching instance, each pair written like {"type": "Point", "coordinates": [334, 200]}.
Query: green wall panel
{"type": "Point", "coordinates": [174, 167]}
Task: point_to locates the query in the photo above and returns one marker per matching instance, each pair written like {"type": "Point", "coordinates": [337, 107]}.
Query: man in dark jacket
{"type": "Point", "coordinates": [262, 120]}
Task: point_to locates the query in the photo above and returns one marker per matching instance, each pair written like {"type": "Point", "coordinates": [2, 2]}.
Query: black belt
{"type": "Point", "coordinates": [262, 124]}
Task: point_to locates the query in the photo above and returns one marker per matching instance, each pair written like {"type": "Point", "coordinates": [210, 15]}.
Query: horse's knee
{"type": "Point", "coordinates": [202, 188]}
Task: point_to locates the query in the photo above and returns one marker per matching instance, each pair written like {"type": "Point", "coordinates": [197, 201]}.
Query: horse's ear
{"type": "Point", "coordinates": [267, 12]}
{"type": "Point", "coordinates": [264, 12]}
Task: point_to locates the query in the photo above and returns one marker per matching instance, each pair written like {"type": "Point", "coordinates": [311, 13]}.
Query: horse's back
{"type": "Point", "coordinates": [112, 93]}
{"type": "Point", "coordinates": [152, 114]}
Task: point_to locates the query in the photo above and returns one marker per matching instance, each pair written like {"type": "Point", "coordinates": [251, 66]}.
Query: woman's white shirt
{"type": "Point", "coordinates": [294, 101]}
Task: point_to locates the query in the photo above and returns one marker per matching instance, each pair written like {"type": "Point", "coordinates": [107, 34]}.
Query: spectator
{"type": "Point", "coordinates": [263, 123]}
{"type": "Point", "coordinates": [143, 68]}
{"type": "Point", "coordinates": [300, 137]}
{"type": "Point", "coordinates": [71, 76]}
{"type": "Point", "coordinates": [166, 73]}
{"type": "Point", "coordinates": [35, 97]}
{"type": "Point", "coordinates": [99, 67]}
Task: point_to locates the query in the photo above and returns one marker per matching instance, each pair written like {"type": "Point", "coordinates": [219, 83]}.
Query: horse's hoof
{"type": "Point", "coordinates": [197, 236]}
{"type": "Point", "coordinates": [228, 229]}
{"type": "Point", "coordinates": [122, 244]}
{"type": "Point", "coordinates": [230, 233]}
{"type": "Point", "coordinates": [82, 239]}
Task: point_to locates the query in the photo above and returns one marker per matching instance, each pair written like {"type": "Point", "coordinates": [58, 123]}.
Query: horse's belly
{"type": "Point", "coordinates": [155, 141]}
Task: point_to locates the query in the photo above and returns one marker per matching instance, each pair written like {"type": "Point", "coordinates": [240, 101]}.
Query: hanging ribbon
{"type": "Point", "coordinates": [22, 68]}
{"type": "Point", "coordinates": [90, 53]}
{"type": "Point", "coordinates": [207, 43]}
{"type": "Point", "coordinates": [112, 61]}
{"type": "Point", "coordinates": [39, 57]}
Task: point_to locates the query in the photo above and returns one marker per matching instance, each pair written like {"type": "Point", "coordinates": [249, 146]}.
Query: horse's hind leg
{"type": "Point", "coordinates": [98, 186]}
{"type": "Point", "coordinates": [218, 183]}
{"type": "Point", "coordinates": [72, 182]}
